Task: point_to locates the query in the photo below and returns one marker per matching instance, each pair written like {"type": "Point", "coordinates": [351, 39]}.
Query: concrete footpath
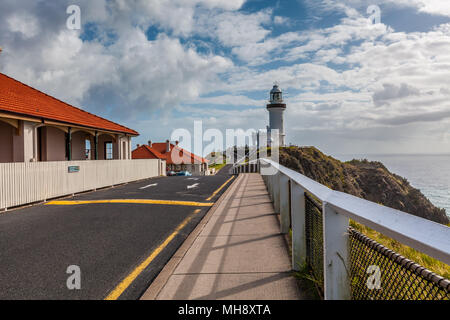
{"type": "Point", "coordinates": [236, 252]}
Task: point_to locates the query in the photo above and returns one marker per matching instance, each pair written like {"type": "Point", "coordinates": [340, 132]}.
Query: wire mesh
{"type": "Point", "coordinates": [314, 239]}
{"type": "Point", "coordinates": [378, 273]}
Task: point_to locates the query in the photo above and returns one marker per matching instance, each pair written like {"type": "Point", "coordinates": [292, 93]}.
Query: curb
{"type": "Point", "coordinates": [160, 281]}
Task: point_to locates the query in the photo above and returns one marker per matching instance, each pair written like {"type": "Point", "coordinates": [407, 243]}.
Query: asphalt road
{"type": "Point", "coordinates": [107, 241]}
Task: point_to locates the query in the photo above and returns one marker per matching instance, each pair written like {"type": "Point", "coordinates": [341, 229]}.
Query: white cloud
{"type": "Point", "coordinates": [281, 20]}
{"type": "Point", "coordinates": [234, 29]}
{"type": "Point", "coordinates": [435, 7]}
{"type": "Point", "coordinates": [140, 74]}
{"type": "Point", "coordinates": [23, 23]}
{"type": "Point", "coordinates": [228, 99]}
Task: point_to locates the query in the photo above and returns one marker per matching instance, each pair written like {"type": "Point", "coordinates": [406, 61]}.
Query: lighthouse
{"type": "Point", "coordinates": [276, 109]}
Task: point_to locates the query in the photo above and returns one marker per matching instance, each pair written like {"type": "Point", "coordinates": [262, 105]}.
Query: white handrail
{"type": "Point", "coordinates": [421, 234]}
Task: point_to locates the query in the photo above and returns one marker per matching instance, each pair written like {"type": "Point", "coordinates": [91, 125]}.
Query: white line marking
{"type": "Point", "coordinates": [195, 179]}
{"type": "Point", "coordinates": [193, 186]}
{"type": "Point", "coordinates": [150, 185]}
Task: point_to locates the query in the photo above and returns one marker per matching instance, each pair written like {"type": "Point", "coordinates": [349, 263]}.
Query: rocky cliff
{"type": "Point", "coordinates": [361, 178]}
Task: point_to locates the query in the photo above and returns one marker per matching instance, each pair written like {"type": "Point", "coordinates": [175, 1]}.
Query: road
{"type": "Point", "coordinates": [119, 247]}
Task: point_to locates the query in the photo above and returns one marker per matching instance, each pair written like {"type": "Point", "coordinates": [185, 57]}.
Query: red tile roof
{"type": "Point", "coordinates": [158, 151]}
{"type": "Point", "coordinates": [21, 99]}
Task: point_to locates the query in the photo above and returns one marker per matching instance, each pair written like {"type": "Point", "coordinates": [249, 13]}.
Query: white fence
{"type": "Point", "coordinates": [23, 183]}
{"type": "Point", "coordinates": [287, 190]}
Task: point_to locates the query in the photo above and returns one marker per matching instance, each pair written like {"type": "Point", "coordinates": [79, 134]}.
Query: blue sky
{"type": "Point", "coordinates": [351, 86]}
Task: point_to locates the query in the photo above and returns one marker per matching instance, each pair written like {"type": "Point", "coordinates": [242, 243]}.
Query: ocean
{"type": "Point", "coordinates": [428, 173]}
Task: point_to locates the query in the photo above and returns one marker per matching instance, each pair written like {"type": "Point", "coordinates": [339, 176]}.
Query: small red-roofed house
{"type": "Point", "coordinates": [177, 158]}
{"type": "Point", "coordinates": [37, 127]}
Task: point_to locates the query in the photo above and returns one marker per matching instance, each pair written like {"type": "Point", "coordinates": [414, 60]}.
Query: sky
{"type": "Point", "coordinates": [354, 82]}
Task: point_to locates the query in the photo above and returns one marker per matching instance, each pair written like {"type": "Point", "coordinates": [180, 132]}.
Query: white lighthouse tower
{"type": "Point", "coordinates": [276, 109]}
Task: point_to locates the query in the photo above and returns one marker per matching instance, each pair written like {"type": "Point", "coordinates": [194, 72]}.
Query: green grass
{"type": "Point", "coordinates": [426, 261]}
{"type": "Point", "coordinates": [217, 166]}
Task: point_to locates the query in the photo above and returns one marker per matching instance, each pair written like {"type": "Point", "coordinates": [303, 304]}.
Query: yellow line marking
{"type": "Point", "coordinates": [138, 201]}
{"type": "Point", "coordinates": [221, 187]}
{"type": "Point", "coordinates": [115, 294]}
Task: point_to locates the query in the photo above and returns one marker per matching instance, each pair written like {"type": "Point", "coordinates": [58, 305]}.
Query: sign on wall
{"type": "Point", "coordinates": [73, 169]}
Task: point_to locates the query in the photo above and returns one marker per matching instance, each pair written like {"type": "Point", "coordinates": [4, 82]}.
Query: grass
{"type": "Point", "coordinates": [217, 166]}
{"type": "Point", "coordinates": [426, 261]}
{"type": "Point", "coordinates": [307, 284]}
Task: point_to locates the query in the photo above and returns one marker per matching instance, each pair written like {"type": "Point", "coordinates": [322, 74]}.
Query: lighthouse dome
{"type": "Point", "coordinates": [275, 94]}
{"type": "Point", "coordinates": [276, 89]}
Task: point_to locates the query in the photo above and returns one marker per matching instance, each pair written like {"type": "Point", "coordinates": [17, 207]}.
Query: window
{"type": "Point", "coordinates": [87, 143]}
{"type": "Point", "coordinates": [108, 150]}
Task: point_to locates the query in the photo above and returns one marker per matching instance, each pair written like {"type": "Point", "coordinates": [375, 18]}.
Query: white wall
{"type": "Point", "coordinates": [28, 140]}
{"type": "Point", "coordinates": [27, 182]}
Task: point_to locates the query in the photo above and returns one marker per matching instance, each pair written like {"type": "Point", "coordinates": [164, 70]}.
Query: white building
{"type": "Point", "coordinates": [276, 109]}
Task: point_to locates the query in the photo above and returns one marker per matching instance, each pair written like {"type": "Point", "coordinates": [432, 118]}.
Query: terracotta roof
{"type": "Point", "coordinates": [158, 151]}
{"type": "Point", "coordinates": [22, 99]}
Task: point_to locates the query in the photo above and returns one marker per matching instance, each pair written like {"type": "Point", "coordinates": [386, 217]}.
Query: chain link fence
{"type": "Point", "coordinates": [314, 240]}
{"type": "Point", "coordinates": [376, 272]}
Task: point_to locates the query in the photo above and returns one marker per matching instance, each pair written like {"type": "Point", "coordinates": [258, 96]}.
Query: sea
{"type": "Point", "coordinates": [428, 173]}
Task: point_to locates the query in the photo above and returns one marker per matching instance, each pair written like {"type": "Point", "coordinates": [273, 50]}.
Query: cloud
{"type": "Point", "coordinates": [392, 92]}
{"type": "Point", "coordinates": [414, 118]}
{"type": "Point", "coordinates": [236, 29]}
{"type": "Point", "coordinates": [24, 24]}
{"type": "Point", "coordinates": [230, 100]}
{"type": "Point", "coordinates": [434, 7]}
{"type": "Point", "coordinates": [132, 73]}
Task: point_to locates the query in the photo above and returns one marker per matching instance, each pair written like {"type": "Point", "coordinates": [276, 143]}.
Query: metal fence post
{"type": "Point", "coordinates": [284, 203]}
{"type": "Point", "coordinates": [276, 192]}
{"type": "Point", "coordinates": [336, 255]}
{"type": "Point", "coordinates": [298, 213]}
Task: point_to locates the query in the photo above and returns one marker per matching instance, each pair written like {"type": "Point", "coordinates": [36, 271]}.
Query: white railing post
{"type": "Point", "coordinates": [284, 203]}
{"type": "Point", "coordinates": [298, 226]}
{"type": "Point", "coordinates": [276, 192]}
{"type": "Point", "coordinates": [336, 255]}
{"type": "Point", "coordinates": [270, 184]}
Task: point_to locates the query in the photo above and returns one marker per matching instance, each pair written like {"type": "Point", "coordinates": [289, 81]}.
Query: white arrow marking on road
{"type": "Point", "coordinates": [193, 186]}
{"type": "Point", "coordinates": [150, 185]}
{"type": "Point", "coordinates": [193, 179]}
